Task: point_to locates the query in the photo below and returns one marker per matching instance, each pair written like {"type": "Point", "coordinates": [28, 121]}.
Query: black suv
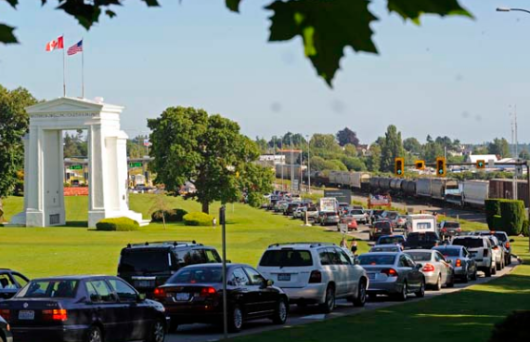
{"type": "Point", "coordinates": [425, 240]}
{"type": "Point", "coordinates": [149, 265]}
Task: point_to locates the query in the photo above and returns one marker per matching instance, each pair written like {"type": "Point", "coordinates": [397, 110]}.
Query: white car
{"type": "Point", "coordinates": [480, 249]}
{"type": "Point", "coordinates": [498, 251]}
{"type": "Point", "coordinates": [315, 273]}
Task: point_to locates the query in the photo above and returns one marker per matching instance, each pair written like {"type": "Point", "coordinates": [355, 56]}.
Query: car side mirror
{"type": "Point", "coordinates": [449, 261]}
{"type": "Point", "coordinates": [356, 261]}
{"type": "Point", "coordinates": [512, 240]}
{"type": "Point", "coordinates": [418, 266]}
{"type": "Point", "coordinates": [95, 298]}
{"type": "Point", "coordinates": [141, 297]}
{"type": "Point", "coordinates": [270, 282]}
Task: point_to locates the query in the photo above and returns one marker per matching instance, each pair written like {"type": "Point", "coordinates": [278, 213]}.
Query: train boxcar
{"type": "Point", "coordinates": [358, 178]}
{"type": "Point", "coordinates": [475, 193]}
{"type": "Point", "coordinates": [503, 188]}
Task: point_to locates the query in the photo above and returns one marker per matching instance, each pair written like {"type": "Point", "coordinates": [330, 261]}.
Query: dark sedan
{"type": "Point", "coordinates": [194, 295]}
{"type": "Point", "coordinates": [84, 309]}
{"type": "Point", "coordinates": [10, 283]}
{"type": "Point", "coordinates": [5, 333]}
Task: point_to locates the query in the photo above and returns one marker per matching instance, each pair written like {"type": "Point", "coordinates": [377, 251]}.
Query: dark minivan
{"type": "Point", "coordinates": [149, 265]}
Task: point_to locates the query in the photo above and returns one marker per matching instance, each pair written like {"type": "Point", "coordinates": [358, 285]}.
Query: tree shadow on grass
{"type": "Point", "coordinates": [76, 224]}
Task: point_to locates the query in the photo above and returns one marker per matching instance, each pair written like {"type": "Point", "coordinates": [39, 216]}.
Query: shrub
{"type": "Point", "coordinates": [493, 207]}
{"type": "Point", "coordinates": [526, 228]}
{"type": "Point", "coordinates": [513, 214]}
{"type": "Point", "coordinates": [198, 219]}
{"type": "Point", "coordinates": [513, 328]}
{"type": "Point", "coordinates": [173, 215]}
{"type": "Point", "coordinates": [120, 224]}
{"type": "Point", "coordinates": [497, 223]}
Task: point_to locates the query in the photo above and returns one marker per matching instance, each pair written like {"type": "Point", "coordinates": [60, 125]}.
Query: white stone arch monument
{"type": "Point", "coordinates": [44, 165]}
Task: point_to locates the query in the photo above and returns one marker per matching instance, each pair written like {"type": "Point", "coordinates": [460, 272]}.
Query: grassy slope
{"type": "Point", "coordinates": [67, 250]}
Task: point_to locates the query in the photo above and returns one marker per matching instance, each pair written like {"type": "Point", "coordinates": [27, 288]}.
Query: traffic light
{"type": "Point", "coordinates": [419, 164]}
{"type": "Point", "coordinates": [481, 164]}
{"type": "Point", "coordinates": [440, 167]}
{"type": "Point", "coordinates": [399, 167]}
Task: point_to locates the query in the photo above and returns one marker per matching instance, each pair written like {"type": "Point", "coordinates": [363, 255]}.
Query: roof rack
{"type": "Point", "coordinates": [312, 244]}
{"type": "Point", "coordinates": [164, 243]}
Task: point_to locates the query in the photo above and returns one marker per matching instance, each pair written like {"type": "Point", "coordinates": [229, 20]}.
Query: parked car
{"type": "Point", "coordinates": [465, 267]}
{"type": "Point", "coordinates": [480, 250]}
{"type": "Point", "coordinates": [426, 240]}
{"type": "Point", "coordinates": [380, 228]}
{"type": "Point", "coordinates": [330, 217]}
{"type": "Point", "coordinates": [83, 308]}
{"type": "Point", "coordinates": [391, 239]}
{"type": "Point", "coordinates": [359, 215]}
{"type": "Point", "coordinates": [450, 228]}
{"type": "Point", "coordinates": [5, 331]}
{"type": "Point", "coordinates": [436, 270]}
{"type": "Point", "coordinates": [506, 243]}
{"type": "Point", "coordinates": [10, 283]}
{"type": "Point", "coordinates": [194, 293]}
{"type": "Point", "coordinates": [315, 273]}
{"type": "Point", "coordinates": [386, 248]}
{"type": "Point", "coordinates": [498, 251]}
{"type": "Point", "coordinates": [149, 265]}
{"type": "Point", "coordinates": [393, 274]}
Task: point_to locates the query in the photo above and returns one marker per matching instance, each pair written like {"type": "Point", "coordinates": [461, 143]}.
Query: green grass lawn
{"type": "Point", "coordinates": [77, 250]}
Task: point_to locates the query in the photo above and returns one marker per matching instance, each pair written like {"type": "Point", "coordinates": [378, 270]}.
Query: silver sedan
{"type": "Point", "coordinates": [464, 265]}
{"type": "Point", "coordinates": [437, 271]}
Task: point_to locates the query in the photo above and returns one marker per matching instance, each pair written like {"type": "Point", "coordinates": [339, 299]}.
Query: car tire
{"type": "Point", "coordinates": [498, 266]}
{"type": "Point", "coordinates": [329, 303]}
{"type": "Point", "coordinates": [467, 277]}
{"type": "Point", "coordinates": [474, 276]}
{"type": "Point", "coordinates": [94, 334]}
{"type": "Point", "coordinates": [438, 285]}
{"type": "Point", "coordinates": [360, 300]}
{"type": "Point", "coordinates": [402, 296]}
{"type": "Point", "coordinates": [280, 314]}
{"type": "Point", "coordinates": [235, 321]}
{"type": "Point", "coordinates": [494, 270]}
{"type": "Point", "coordinates": [173, 326]}
{"type": "Point", "coordinates": [158, 332]}
{"type": "Point", "coordinates": [451, 284]}
{"type": "Point", "coordinates": [508, 260]}
{"type": "Point", "coordinates": [421, 292]}
{"type": "Point", "coordinates": [487, 272]}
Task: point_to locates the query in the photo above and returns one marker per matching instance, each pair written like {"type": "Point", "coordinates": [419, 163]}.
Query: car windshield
{"type": "Point", "coordinates": [377, 259]}
{"type": "Point", "coordinates": [420, 256]}
{"type": "Point", "coordinates": [452, 252]}
{"type": "Point", "coordinates": [451, 225]}
{"type": "Point", "coordinates": [469, 242]}
{"type": "Point", "coordinates": [412, 237]}
{"type": "Point", "coordinates": [390, 239]}
{"type": "Point", "coordinates": [385, 249]}
{"type": "Point", "coordinates": [55, 288]}
{"type": "Point", "coordinates": [286, 258]}
{"type": "Point", "coordinates": [143, 260]}
{"type": "Point", "coordinates": [196, 275]}
{"type": "Point", "coordinates": [501, 236]}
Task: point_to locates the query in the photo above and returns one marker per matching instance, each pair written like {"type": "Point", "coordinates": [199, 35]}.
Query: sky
{"type": "Point", "coordinates": [455, 76]}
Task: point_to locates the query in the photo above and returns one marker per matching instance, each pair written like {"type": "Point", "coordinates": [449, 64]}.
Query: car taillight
{"type": "Point", "coordinates": [390, 272]}
{"type": "Point", "coordinates": [458, 263]}
{"type": "Point", "coordinates": [428, 268]}
{"type": "Point", "coordinates": [315, 277]}
{"type": "Point", "coordinates": [485, 253]}
{"type": "Point", "coordinates": [507, 245]}
{"type": "Point", "coordinates": [6, 314]}
{"type": "Point", "coordinates": [444, 230]}
{"type": "Point", "coordinates": [55, 315]}
{"type": "Point", "coordinates": [208, 291]}
{"type": "Point", "coordinates": [159, 293]}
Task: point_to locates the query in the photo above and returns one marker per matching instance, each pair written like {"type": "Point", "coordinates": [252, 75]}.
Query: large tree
{"type": "Point", "coordinates": [208, 151]}
{"type": "Point", "coordinates": [391, 148]}
{"type": "Point", "coordinates": [326, 27]}
{"type": "Point", "coordinates": [412, 145]}
{"type": "Point", "coordinates": [499, 147]}
{"type": "Point", "coordinates": [374, 160]}
{"type": "Point", "coordinates": [13, 125]}
{"type": "Point", "coordinates": [347, 136]}
{"type": "Point", "coordinates": [431, 151]}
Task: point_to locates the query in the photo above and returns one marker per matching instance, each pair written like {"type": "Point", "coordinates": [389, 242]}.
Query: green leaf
{"type": "Point", "coordinates": [233, 5]}
{"type": "Point", "coordinates": [413, 9]}
{"type": "Point", "coordinates": [110, 14]}
{"type": "Point", "coordinates": [326, 27]}
{"type": "Point", "coordinates": [13, 3]}
{"type": "Point", "coordinates": [86, 14]}
{"type": "Point", "coordinates": [151, 3]}
{"type": "Point", "coordinates": [6, 34]}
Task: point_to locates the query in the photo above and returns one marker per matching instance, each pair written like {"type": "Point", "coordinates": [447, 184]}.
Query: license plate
{"type": "Point", "coordinates": [182, 297]}
{"type": "Point", "coordinates": [284, 277]}
{"type": "Point", "coordinates": [26, 315]}
{"type": "Point", "coordinates": [371, 275]}
{"type": "Point", "coordinates": [145, 283]}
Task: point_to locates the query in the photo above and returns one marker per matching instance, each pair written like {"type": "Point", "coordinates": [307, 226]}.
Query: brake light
{"type": "Point", "coordinates": [315, 277]}
{"type": "Point", "coordinates": [428, 268]}
{"type": "Point", "coordinates": [444, 230]}
{"type": "Point", "coordinates": [507, 245]}
{"type": "Point", "coordinates": [458, 263]}
{"type": "Point", "coordinates": [55, 315]}
{"type": "Point", "coordinates": [390, 272]}
{"type": "Point", "coordinates": [208, 291]}
{"type": "Point", "coordinates": [159, 293]}
{"type": "Point", "coordinates": [486, 253]}
{"type": "Point", "coordinates": [6, 314]}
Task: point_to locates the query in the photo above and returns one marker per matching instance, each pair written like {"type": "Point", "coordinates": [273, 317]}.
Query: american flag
{"type": "Point", "coordinates": [72, 50]}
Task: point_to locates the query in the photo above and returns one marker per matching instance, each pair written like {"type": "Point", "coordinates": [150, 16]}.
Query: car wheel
{"type": "Point", "coordinates": [438, 285]}
{"type": "Point", "coordinates": [498, 266]}
{"type": "Point", "coordinates": [421, 292]}
{"type": "Point", "coordinates": [173, 326]}
{"type": "Point", "coordinates": [329, 304]}
{"type": "Point", "coordinates": [235, 323]}
{"type": "Point", "coordinates": [361, 295]}
{"type": "Point", "coordinates": [452, 282]}
{"type": "Point", "coordinates": [508, 260]}
{"type": "Point", "coordinates": [158, 332]}
{"type": "Point", "coordinates": [467, 277]}
{"type": "Point", "coordinates": [494, 270]}
{"type": "Point", "coordinates": [94, 335]}
{"type": "Point", "coordinates": [402, 296]}
{"type": "Point", "coordinates": [474, 275]}
{"type": "Point", "coordinates": [280, 315]}
{"type": "Point", "coordinates": [488, 272]}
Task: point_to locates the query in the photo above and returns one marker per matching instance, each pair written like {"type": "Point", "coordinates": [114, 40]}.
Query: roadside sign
{"type": "Point", "coordinates": [491, 163]}
{"type": "Point", "coordinates": [76, 167]}
{"type": "Point", "coordinates": [343, 228]}
{"type": "Point", "coordinates": [135, 164]}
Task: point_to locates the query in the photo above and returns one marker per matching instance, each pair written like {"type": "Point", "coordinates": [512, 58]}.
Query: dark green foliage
{"type": "Point", "coordinates": [198, 219]}
{"type": "Point", "coordinates": [173, 215]}
{"type": "Point", "coordinates": [492, 208]}
{"type": "Point", "coordinates": [513, 328]}
{"type": "Point", "coordinates": [120, 224]}
{"type": "Point", "coordinates": [496, 223]}
{"type": "Point", "coordinates": [526, 228]}
{"type": "Point", "coordinates": [513, 214]}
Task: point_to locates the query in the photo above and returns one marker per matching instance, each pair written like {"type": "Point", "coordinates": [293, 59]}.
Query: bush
{"type": "Point", "coordinates": [513, 328]}
{"type": "Point", "coordinates": [526, 228]}
{"type": "Point", "coordinates": [198, 219]}
{"type": "Point", "coordinates": [513, 214]}
{"type": "Point", "coordinates": [173, 215]}
{"type": "Point", "coordinates": [493, 207]}
{"type": "Point", "coordinates": [120, 224]}
{"type": "Point", "coordinates": [497, 223]}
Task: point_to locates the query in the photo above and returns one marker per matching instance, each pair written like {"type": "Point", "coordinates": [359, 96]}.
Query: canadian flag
{"type": "Point", "coordinates": [55, 44]}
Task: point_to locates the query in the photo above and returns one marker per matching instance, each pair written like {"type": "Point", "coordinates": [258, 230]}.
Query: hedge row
{"type": "Point", "coordinates": [120, 224]}
{"type": "Point", "coordinates": [173, 215]}
{"type": "Point", "coordinates": [198, 219]}
{"type": "Point", "coordinates": [505, 215]}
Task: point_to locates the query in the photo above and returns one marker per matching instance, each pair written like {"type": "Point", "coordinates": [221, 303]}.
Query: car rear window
{"type": "Point", "coordinates": [371, 259]}
{"type": "Point", "coordinates": [390, 239]}
{"type": "Point", "coordinates": [384, 224]}
{"type": "Point", "coordinates": [286, 258]}
{"type": "Point", "coordinates": [197, 275]}
{"type": "Point", "coordinates": [356, 212]}
{"type": "Point", "coordinates": [139, 260]}
{"type": "Point", "coordinates": [412, 237]}
{"type": "Point", "coordinates": [469, 242]}
{"type": "Point", "coordinates": [385, 249]}
{"type": "Point", "coordinates": [451, 225]}
{"type": "Point", "coordinates": [57, 288]}
{"type": "Point", "coordinates": [330, 214]}
{"type": "Point", "coordinates": [452, 252]}
{"type": "Point", "coordinates": [420, 256]}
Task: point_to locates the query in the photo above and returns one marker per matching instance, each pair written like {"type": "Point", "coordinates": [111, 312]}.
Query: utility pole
{"type": "Point", "coordinates": [292, 162]}
{"type": "Point", "coordinates": [283, 159]}
{"type": "Point", "coordinates": [308, 166]}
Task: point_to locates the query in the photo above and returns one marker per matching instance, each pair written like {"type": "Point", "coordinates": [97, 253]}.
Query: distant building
{"type": "Point", "coordinates": [473, 158]}
{"type": "Point", "coordinates": [363, 150]}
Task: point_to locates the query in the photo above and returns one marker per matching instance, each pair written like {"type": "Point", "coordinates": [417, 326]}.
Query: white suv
{"type": "Point", "coordinates": [314, 273]}
{"type": "Point", "coordinates": [480, 249]}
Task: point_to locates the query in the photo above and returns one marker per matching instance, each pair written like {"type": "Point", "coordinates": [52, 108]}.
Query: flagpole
{"type": "Point", "coordinates": [64, 72]}
{"type": "Point", "coordinates": [83, 70]}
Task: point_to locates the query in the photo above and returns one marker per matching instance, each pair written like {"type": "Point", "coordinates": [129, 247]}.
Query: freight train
{"type": "Point", "coordinates": [468, 193]}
